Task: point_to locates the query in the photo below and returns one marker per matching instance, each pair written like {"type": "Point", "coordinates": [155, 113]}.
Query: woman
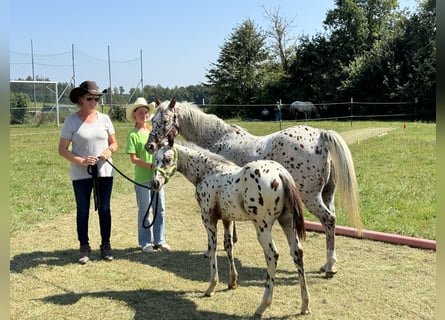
{"type": "Point", "coordinates": [139, 113]}
{"type": "Point", "coordinates": [92, 138]}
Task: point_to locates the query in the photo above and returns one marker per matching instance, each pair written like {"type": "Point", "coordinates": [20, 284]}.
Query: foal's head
{"type": "Point", "coordinates": [166, 158]}
{"type": "Point", "coordinates": [164, 123]}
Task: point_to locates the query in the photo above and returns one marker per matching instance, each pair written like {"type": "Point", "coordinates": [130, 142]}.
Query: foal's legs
{"type": "Point", "coordinates": [296, 252]}
{"type": "Point", "coordinates": [228, 246]}
{"type": "Point", "coordinates": [210, 225]}
{"type": "Point", "coordinates": [271, 255]}
{"type": "Point", "coordinates": [234, 240]}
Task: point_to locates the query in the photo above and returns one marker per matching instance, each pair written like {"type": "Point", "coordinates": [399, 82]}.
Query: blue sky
{"type": "Point", "coordinates": [178, 39]}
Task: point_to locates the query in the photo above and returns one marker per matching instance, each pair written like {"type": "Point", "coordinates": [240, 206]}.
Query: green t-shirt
{"type": "Point", "coordinates": [135, 144]}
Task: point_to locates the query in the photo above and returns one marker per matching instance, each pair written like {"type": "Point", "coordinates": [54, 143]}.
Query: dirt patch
{"type": "Point", "coordinates": [365, 133]}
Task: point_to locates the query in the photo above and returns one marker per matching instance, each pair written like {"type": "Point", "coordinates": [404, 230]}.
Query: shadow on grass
{"type": "Point", "coordinates": [150, 304]}
{"type": "Point", "coordinates": [147, 304]}
{"type": "Point", "coordinates": [186, 264]}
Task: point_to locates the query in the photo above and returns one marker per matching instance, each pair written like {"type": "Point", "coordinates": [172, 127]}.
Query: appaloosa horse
{"type": "Point", "coordinates": [317, 159]}
{"type": "Point", "coordinates": [262, 191]}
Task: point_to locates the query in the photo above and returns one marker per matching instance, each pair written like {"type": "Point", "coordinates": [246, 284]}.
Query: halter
{"type": "Point", "coordinates": [167, 174]}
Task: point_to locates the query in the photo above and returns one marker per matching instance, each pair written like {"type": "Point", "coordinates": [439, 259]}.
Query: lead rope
{"type": "Point", "coordinates": [147, 213]}
{"type": "Point", "coordinates": [92, 170]}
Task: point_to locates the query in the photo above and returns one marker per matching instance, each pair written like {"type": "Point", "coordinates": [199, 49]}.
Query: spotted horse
{"type": "Point", "coordinates": [318, 160]}
{"type": "Point", "coordinates": [261, 191]}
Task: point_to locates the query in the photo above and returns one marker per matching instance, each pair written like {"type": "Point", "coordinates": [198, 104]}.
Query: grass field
{"type": "Point", "coordinates": [396, 171]}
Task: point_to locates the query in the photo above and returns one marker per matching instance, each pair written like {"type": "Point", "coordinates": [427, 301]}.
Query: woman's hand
{"type": "Point", "coordinates": [106, 154]}
{"type": "Point", "coordinates": [89, 161]}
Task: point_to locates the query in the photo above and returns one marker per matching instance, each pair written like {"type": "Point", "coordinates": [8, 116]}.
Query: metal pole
{"type": "Point", "coordinates": [109, 76]}
{"type": "Point", "coordinates": [57, 105]}
{"type": "Point", "coordinates": [142, 77]}
{"type": "Point", "coordinates": [33, 77]}
{"type": "Point", "coordinates": [72, 59]}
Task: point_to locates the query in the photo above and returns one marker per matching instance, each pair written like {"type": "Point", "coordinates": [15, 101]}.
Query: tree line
{"type": "Point", "coordinates": [370, 50]}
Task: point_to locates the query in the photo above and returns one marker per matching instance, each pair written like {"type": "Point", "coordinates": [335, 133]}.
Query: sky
{"type": "Point", "coordinates": [128, 43]}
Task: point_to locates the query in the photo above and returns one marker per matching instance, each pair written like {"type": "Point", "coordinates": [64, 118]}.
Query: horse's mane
{"type": "Point", "coordinates": [198, 121]}
{"type": "Point", "coordinates": [210, 155]}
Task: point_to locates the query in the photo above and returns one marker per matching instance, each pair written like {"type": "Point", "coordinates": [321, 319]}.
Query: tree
{"type": "Point", "coordinates": [402, 65]}
{"type": "Point", "coordinates": [420, 39]}
{"type": "Point", "coordinates": [347, 25]}
{"type": "Point", "coordinates": [238, 77]}
{"type": "Point", "coordinates": [279, 33]}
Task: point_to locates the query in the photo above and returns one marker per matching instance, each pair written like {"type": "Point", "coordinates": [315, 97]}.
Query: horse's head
{"type": "Point", "coordinates": [166, 158]}
{"type": "Point", "coordinates": [164, 123]}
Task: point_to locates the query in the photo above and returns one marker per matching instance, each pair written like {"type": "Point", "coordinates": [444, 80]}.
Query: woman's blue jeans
{"type": "Point", "coordinates": [82, 192]}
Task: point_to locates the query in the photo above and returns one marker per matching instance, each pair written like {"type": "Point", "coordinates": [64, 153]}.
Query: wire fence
{"type": "Point", "coordinates": [75, 65]}
{"type": "Point", "coordinates": [344, 111]}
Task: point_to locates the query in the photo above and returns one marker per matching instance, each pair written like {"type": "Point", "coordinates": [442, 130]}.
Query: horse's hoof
{"type": "Point", "coordinates": [232, 286]}
{"type": "Point", "coordinates": [328, 274]}
{"type": "Point", "coordinates": [257, 315]}
{"type": "Point", "coordinates": [305, 306]}
{"type": "Point", "coordinates": [209, 294]}
{"type": "Point", "coordinates": [304, 312]}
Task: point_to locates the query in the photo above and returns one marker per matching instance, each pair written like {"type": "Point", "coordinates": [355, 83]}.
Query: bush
{"type": "Point", "coordinates": [19, 104]}
{"type": "Point", "coordinates": [117, 113]}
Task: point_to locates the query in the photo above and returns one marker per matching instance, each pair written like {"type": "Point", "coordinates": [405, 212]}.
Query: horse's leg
{"type": "Point", "coordinates": [326, 215]}
{"type": "Point", "coordinates": [329, 223]}
{"type": "Point", "coordinates": [228, 246]}
{"type": "Point", "coordinates": [211, 229]}
{"type": "Point", "coordinates": [264, 235]}
{"type": "Point", "coordinates": [234, 237]}
{"type": "Point", "coordinates": [296, 252]}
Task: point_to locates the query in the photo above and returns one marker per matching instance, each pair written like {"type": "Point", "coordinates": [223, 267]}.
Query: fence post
{"type": "Point", "coordinates": [352, 102]}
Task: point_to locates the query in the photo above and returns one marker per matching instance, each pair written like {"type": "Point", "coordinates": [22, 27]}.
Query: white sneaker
{"type": "Point", "coordinates": [148, 248]}
{"type": "Point", "coordinates": [162, 247]}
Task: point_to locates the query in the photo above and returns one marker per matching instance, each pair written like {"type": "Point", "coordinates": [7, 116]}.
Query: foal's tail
{"type": "Point", "coordinates": [293, 202]}
{"type": "Point", "coordinates": [344, 175]}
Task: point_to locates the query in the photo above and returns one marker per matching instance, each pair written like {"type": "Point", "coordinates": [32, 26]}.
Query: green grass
{"type": "Point", "coordinates": [396, 175]}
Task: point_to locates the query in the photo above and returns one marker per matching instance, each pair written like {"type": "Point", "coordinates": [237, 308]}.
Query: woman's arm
{"type": "Point", "coordinates": [71, 157]}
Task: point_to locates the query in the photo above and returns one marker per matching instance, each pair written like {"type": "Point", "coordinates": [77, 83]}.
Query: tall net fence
{"type": "Point", "coordinates": [75, 65]}
{"type": "Point", "coordinates": [35, 103]}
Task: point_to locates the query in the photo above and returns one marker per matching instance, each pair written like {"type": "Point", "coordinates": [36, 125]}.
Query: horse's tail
{"type": "Point", "coordinates": [344, 175]}
{"type": "Point", "coordinates": [293, 201]}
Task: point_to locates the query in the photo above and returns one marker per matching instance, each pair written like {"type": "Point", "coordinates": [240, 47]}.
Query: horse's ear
{"type": "Point", "coordinates": [172, 103]}
{"type": "Point", "coordinates": [157, 101]}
